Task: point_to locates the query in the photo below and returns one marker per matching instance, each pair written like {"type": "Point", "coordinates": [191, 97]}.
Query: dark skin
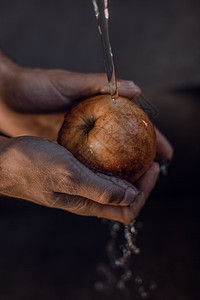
{"type": "Point", "coordinates": [35, 168]}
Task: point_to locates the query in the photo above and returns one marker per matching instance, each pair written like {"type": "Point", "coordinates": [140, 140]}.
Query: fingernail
{"type": "Point", "coordinates": [119, 182]}
{"type": "Point", "coordinates": [137, 205]}
{"type": "Point", "coordinates": [129, 196]}
{"type": "Point", "coordinates": [128, 84]}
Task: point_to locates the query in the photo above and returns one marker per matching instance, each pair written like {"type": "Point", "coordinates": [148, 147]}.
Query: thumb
{"type": "Point", "coordinates": [80, 85]}
{"type": "Point", "coordinates": [126, 88]}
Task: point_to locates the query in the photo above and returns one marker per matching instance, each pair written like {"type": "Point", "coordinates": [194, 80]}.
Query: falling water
{"type": "Point", "coordinates": [102, 15]}
{"type": "Point", "coordinates": [117, 274]}
{"type": "Point", "coordinates": [119, 252]}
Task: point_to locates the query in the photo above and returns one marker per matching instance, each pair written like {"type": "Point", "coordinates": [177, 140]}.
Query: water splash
{"type": "Point", "coordinates": [120, 249]}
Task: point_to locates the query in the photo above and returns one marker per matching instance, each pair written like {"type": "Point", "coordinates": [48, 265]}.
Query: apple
{"type": "Point", "coordinates": [111, 136]}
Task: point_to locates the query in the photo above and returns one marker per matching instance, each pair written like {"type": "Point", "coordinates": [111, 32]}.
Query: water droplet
{"type": "Point", "coordinates": [137, 251]}
{"type": "Point", "coordinates": [118, 263]}
{"type": "Point", "coordinates": [133, 230]}
{"type": "Point", "coordinates": [106, 13]}
{"type": "Point", "coordinates": [126, 234]}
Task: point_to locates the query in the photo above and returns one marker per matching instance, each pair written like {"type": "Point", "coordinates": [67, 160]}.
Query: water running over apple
{"type": "Point", "coordinates": [120, 248]}
{"type": "Point", "coordinates": [102, 15]}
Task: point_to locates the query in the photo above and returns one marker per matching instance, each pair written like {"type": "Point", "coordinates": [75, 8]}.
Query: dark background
{"type": "Point", "coordinates": [50, 254]}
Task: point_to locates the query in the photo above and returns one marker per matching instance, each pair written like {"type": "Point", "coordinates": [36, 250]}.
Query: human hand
{"type": "Point", "coordinates": [33, 101]}
{"type": "Point", "coordinates": [44, 172]}
{"type": "Point", "coordinates": [18, 97]}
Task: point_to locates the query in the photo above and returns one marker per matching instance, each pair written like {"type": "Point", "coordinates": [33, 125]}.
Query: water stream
{"type": "Point", "coordinates": [116, 274]}
{"type": "Point", "coordinates": [102, 15]}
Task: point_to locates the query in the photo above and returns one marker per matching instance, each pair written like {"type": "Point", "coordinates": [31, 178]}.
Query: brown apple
{"type": "Point", "coordinates": [114, 137]}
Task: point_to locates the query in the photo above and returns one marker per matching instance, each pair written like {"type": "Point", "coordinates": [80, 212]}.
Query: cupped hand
{"type": "Point", "coordinates": [45, 173]}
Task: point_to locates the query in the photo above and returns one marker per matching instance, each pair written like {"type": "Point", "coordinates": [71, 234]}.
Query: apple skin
{"type": "Point", "coordinates": [114, 137]}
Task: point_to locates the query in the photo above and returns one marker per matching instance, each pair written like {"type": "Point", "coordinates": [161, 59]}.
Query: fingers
{"type": "Point", "coordinates": [83, 206]}
{"type": "Point", "coordinates": [104, 189]}
{"type": "Point", "coordinates": [145, 185]}
{"type": "Point", "coordinates": [94, 83]}
{"type": "Point", "coordinates": [113, 191]}
{"type": "Point", "coordinates": [86, 85]}
{"type": "Point", "coordinates": [124, 214]}
{"type": "Point", "coordinates": [111, 198]}
{"type": "Point", "coordinates": [58, 90]}
{"type": "Point", "coordinates": [108, 190]}
{"type": "Point", "coordinates": [164, 148]}
{"type": "Point", "coordinates": [76, 179]}
{"type": "Point", "coordinates": [126, 88]}
{"type": "Point", "coordinates": [147, 182]}
{"type": "Point", "coordinates": [105, 208]}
